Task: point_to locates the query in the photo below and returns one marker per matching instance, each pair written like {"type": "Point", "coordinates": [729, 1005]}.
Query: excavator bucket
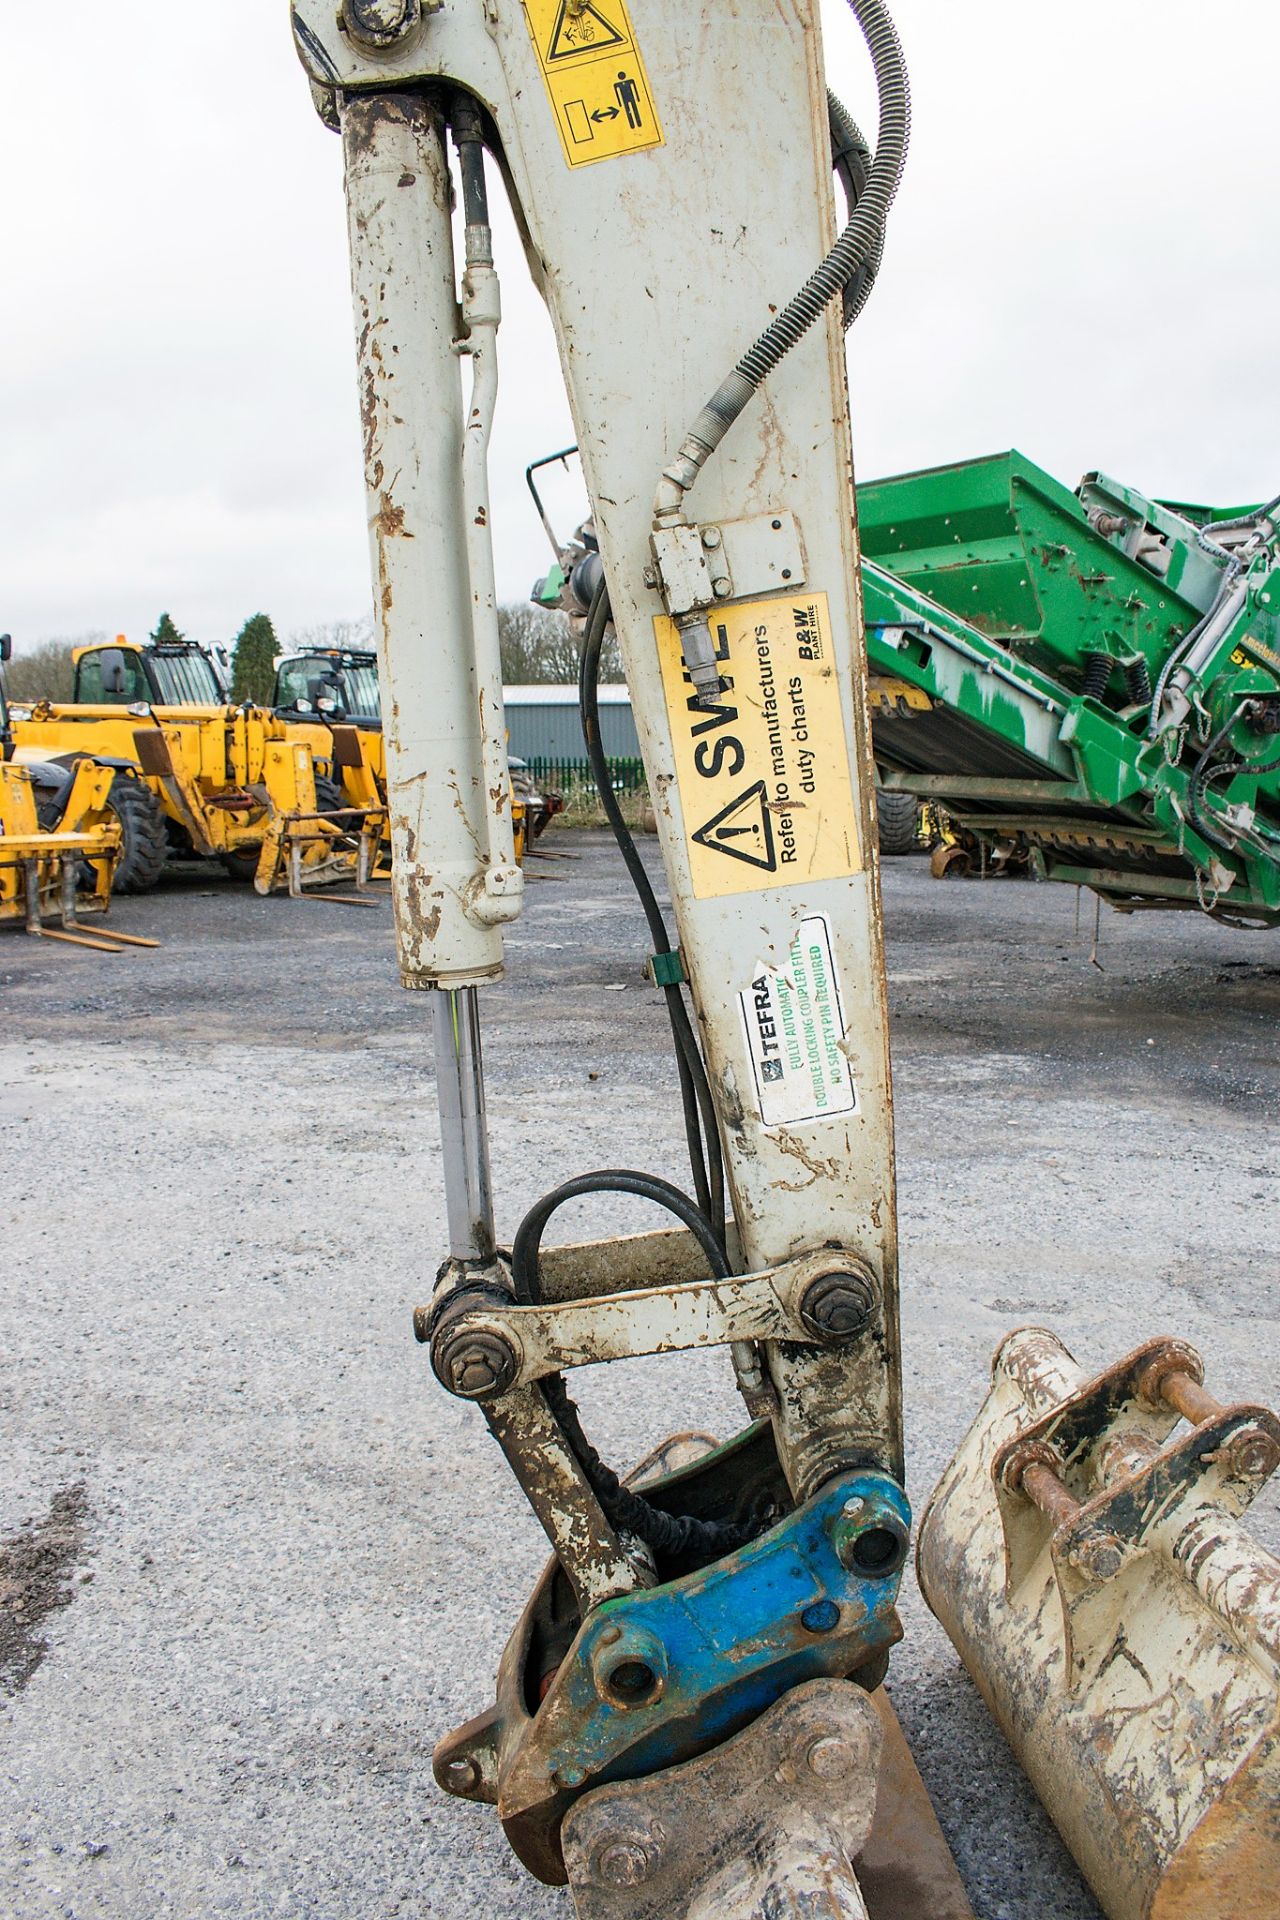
{"type": "Point", "coordinates": [1085, 1554]}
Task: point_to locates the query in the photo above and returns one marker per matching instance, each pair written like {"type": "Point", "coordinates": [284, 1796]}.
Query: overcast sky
{"type": "Point", "coordinates": [1083, 263]}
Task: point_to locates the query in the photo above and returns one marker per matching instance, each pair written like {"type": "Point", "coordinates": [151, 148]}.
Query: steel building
{"type": "Point", "coordinates": [543, 725]}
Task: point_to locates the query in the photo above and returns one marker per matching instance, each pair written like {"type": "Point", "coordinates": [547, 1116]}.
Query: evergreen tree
{"type": "Point", "coordinates": [253, 670]}
{"type": "Point", "coordinates": [166, 634]}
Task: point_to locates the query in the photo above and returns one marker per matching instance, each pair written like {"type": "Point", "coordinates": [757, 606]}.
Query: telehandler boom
{"type": "Point", "coordinates": [688, 1719]}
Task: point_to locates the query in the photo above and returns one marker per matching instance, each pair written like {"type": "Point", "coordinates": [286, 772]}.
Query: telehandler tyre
{"type": "Point", "coordinates": [145, 843]}
{"type": "Point", "coordinates": [899, 818]}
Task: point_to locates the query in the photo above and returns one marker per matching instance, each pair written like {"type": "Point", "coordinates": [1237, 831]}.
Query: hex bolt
{"type": "Point", "coordinates": [849, 1522]}
{"type": "Point", "coordinates": [650, 576]}
{"type": "Point", "coordinates": [831, 1758]}
{"type": "Point", "coordinates": [475, 1365]}
{"type": "Point", "coordinates": [1101, 1557]}
{"type": "Point", "coordinates": [722, 588]}
{"type": "Point", "coordinates": [623, 1864]}
{"type": "Point", "coordinates": [710, 538]}
{"type": "Point", "coordinates": [837, 1306]}
{"type": "Point", "coordinates": [380, 23]}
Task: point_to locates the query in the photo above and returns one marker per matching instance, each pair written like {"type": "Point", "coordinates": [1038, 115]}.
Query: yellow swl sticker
{"type": "Point", "coordinates": [595, 78]}
{"type": "Point", "coordinates": [764, 774]}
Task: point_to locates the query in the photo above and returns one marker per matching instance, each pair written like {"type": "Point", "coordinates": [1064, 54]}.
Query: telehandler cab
{"type": "Point", "coordinates": [689, 1721]}
{"type": "Point", "coordinates": [339, 685]}
{"type": "Point", "coordinates": [198, 777]}
{"type": "Point", "coordinates": [59, 842]}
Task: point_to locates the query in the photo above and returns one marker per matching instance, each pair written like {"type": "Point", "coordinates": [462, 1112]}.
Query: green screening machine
{"type": "Point", "coordinates": [1086, 683]}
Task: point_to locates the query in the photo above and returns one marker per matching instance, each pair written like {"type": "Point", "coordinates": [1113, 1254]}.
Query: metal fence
{"type": "Point", "coordinates": [627, 775]}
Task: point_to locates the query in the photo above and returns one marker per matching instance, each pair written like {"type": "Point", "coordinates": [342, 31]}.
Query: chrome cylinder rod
{"type": "Point", "coordinates": [464, 1134]}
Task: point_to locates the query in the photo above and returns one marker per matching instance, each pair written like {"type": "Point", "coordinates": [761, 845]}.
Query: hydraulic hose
{"type": "Point", "coordinates": [1202, 775]}
{"type": "Point", "coordinates": [1231, 574]}
{"type": "Point", "coordinates": [855, 250]}
{"type": "Point", "coordinates": [673, 1535]}
{"type": "Point", "coordinates": [858, 242]}
{"type": "Point", "coordinates": [1252, 519]}
{"type": "Point", "coordinates": [851, 160]}
{"type": "Point", "coordinates": [695, 1090]}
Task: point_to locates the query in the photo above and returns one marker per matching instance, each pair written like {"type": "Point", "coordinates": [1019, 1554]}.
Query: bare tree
{"type": "Point", "coordinates": [45, 671]}
{"type": "Point", "coordinates": [356, 633]}
{"type": "Point", "coordinates": [539, 647]}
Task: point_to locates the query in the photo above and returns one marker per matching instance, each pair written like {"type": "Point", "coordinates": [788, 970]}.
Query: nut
{"type": "Point", "coordinates": [623, 1864]}
{"type": "Point", "coordinates": [380, 23]}
{"type": "Point", "coordinates": [1099, 1557]}
{"type": "Point", "coordinates": [476, 1365]}
{"type": "Point", "coordinates": [837, 1306]}
{"type": "Point", "coordinates": [831, 1758]}
{"type": "Point", "coordinates": [1250, 1456]}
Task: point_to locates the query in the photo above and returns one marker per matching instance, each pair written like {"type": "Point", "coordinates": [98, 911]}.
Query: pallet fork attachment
{"type": "Point", "coordinates": [42, 873]}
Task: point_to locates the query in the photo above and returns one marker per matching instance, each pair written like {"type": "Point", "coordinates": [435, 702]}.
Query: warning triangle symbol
{"type": "Point", "coordinates": [582, 28]}
{"type": "Point", "coordinates": [743, 830]}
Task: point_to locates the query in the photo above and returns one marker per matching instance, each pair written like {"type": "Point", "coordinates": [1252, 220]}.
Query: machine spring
{"type": "Point", "coordinates": [1097, 672]}
{"type": "Point", "coordinates": [1137, 679]}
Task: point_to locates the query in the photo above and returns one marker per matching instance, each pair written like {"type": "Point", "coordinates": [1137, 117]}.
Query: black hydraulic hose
{"type": "Point", "coordinates": [527, 1245]}
{"type": "Point", "coordinates": [695, 1090]}
{"type": "Point", "coordinates": [468, 138]}
{"type": "Point", "coordinates": [853, 251]}
{"type": "Point", "coordinates": [1202, 774]}
{"type": "Point", "coordinates": [1252, 519]}
{"type": "Point", "coordinates": [851, 160]}
{"type": "Point", "coordinates": [666, 1533]}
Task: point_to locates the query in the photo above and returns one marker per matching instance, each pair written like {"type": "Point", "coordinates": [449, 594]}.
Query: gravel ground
{"type": "Point", "coordinates": [254, 1562]}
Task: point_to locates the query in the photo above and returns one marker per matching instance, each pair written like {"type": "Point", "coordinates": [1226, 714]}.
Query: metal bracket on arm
{"type": "Point", "coordinates": [482, 1349]}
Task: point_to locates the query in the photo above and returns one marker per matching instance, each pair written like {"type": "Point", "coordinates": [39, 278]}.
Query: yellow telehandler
{"type": "Point", "coordinates": [59, 843]}
{"type": "Point", "coordinates": [196, 776]}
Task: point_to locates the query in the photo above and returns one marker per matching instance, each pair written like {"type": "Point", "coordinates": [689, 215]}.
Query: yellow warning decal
{"type": "Point", "coordinates": [1253, 652]}
{"type": "Point", "coordinates": [764, 774]}
{"type": "Point", "coordinates": [595, 78]}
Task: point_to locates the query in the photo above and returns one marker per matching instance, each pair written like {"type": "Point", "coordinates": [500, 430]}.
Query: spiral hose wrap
{"type": "Point", "coordinates": [853, 259]}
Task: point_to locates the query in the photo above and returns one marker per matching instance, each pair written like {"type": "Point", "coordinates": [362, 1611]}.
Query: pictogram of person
{"type": "Point", "coordinates": [628, 97]}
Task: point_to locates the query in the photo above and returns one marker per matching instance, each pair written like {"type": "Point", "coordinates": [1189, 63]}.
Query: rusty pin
{"type": "Point", "coordinates": [1176, 1376]}
{"type": "Point", "coordinates": [1250, 1456]}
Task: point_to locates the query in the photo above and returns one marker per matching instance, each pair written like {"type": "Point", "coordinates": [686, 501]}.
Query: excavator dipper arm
{"type": "Point", "coordinates": [671, 172]}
